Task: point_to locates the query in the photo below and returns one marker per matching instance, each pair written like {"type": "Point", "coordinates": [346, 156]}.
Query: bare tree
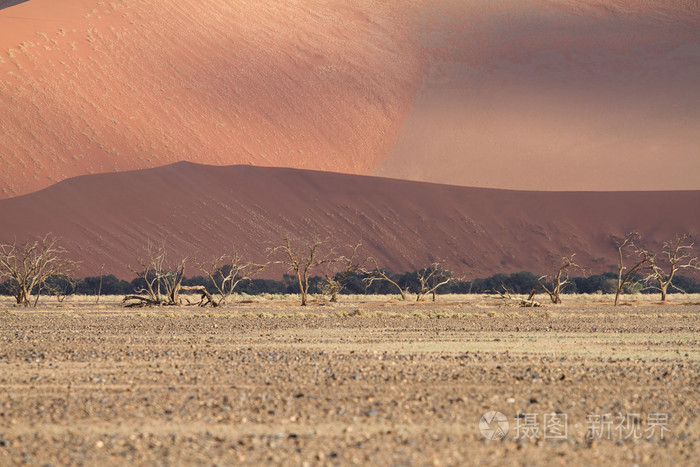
{"type": "Point", "coordinates": [628, 247]}
{"type": "Point", "coordinates": [28, 267]}
{"type": "Point", "coordinates": [379, 274]}
{"type": "Point", "coordinates": [162, 281]}
{"type": "Point", "coordinates": [61, 287]}
{"type": "Point", "coordinates": [678, 254]}
{"type": "Point", "coordinates": [432, 278]}
{"type": "Point", "coordinates": [554, 284]}
{"type": "Point", "coordinates": [352, 264]}
{"type": "Point", "coordinates": [303, 257]}
{"type": "Point", "coordinates": [226, 272]}
{"type": "Point", "coordinates": [99, 288]}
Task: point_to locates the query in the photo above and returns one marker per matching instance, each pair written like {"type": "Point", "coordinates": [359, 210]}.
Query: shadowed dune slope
{"type": "Point", "coordinates": [202, 211]}
{"type": "Point", "coordinates": [558, 95]}
{"type": "Point", "coordinates": [9, 3]}
{"type": "Point", "coordinates": [523, 94]}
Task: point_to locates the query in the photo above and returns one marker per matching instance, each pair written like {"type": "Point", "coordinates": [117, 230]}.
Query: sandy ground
{"type": "Point", "coordinates": [361, 382]}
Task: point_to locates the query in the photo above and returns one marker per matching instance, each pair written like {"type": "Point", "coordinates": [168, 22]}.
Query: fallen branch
{"type": "Point", "coordinates": [525, 303]}
{"type": "Point", "coordinates": [206, 298]}
{"type": "Point", "coordinates": [140, 301]}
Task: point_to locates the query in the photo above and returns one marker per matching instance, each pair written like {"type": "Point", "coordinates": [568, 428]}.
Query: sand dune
{"type": "Point", "coordinates": [200, 211]}
{"type": "Point", "coordinates": [563, 95]}
{"type": "Point", "coordinates": [92, 87]}
{"type": "Point", "coordinates": [527, 94]}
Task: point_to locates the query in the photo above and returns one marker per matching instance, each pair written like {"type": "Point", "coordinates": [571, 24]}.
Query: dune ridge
{"type": "Point", "coordinates": [201, 211]}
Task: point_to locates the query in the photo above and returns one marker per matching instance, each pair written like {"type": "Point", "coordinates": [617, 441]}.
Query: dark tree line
{"type": "Point", "coordinates": [354, 284]}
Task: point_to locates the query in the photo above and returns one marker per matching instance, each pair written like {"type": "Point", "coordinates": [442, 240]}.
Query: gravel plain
{"type": "Point", "coordinates": [369, 383]}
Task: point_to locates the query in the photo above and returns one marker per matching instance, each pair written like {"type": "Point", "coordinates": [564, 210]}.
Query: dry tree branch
{"type": "Point", "coordinates": [302, 257]}
{"type": "Point", "coordinates": [559, 280]}
{"type": "Point", "coordinates": [351, 265]}
{"type": "Point", "coordinates": [379, 274]}
{"type": "Point", "coordinates": [30, 266]}
{"type": "Point", "coordinates": [506, 297]}
{"type": "Point", "coordinates": [432, 278]}
{"type": "Point", "coordinates": [226, 272]}
{"type": "Point", "coordinates": [642, 258]}
{"type": "Point", "coordinates": [678, 256]}
{"type": "Point", "coordinates": [162, 281]}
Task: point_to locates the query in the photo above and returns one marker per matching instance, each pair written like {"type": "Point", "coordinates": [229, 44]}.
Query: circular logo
{"type": "Point", "coordinates": [494, 425]}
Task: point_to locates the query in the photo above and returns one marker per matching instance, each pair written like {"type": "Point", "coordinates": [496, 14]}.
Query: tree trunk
{"type": "Point", "coordinates": [22, 297]}
{"type": "Point", "coordinates": [664, 286]}
{"type": "Point", "coordinates": [302, 290]}
{"type": "Point", "coordinates": [99, 289]}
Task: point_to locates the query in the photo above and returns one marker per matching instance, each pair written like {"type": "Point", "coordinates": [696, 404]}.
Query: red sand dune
{"type": "Point", "coordinates": [563, 95]}
{"type": "Point", "coordinates": [202, 211]}
{"type": "Point", "coordinates": [527, 94]}
{"type": "Point", "coordinates": [90, 87]}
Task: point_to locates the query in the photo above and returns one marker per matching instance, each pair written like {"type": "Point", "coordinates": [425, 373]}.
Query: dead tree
{"type": "Point", "coordinates": [509, 299]}
{"type": "Point", "coordinates": [206, 299]}
{"type": "Point", "coordinates": [99, 288]}
{"type": "Point", "coordinates": [352, 264]}
{"type": "Point", "coordinates": [28, 267]}
{"type": "Point", "coordinates": [162, 282]}
{"type": "Point", "coordinates": [379, 274]}
{"type": "Point", "coordinates": [225, 273]}
{"type": "Point", "coordinates": [301, 258]}
{"type": "Point", "coordinates": [554, 284]}
{"type": "Point", "coordinates": [678, 254]}
{"type": "Point", "coordinates": [628, 247]}
{"type": "Point", "coordinates": [61, 287]}
{"type": "Point", "coordinates": [432, 278]}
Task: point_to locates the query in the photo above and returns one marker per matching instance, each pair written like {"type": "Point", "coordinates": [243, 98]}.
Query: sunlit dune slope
{"type": "Point", "coordinates": [203, 211]}
{"type": "Point", "coordinates": [526, 94]}
{"type": "Point", "coordinates": [88, 86]}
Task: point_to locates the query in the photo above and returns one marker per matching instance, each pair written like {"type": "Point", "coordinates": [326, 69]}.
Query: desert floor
{"type": "Point", "coordinates": [369, 382]}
